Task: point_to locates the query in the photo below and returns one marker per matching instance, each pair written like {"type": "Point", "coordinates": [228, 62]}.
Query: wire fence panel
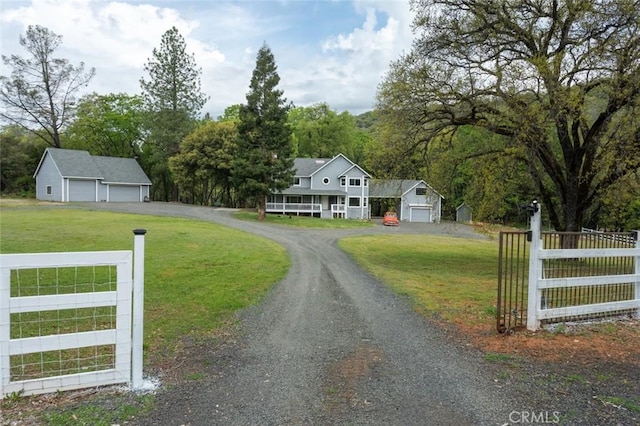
{"type": "Point", "coordinates": [65, 321]}
{"type": "Point", "coordinates": [582, 275]}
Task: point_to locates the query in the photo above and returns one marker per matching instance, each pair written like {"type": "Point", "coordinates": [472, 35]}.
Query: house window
{"type": "Point", "coordinates": [364, 202]}
{"type": "Point", "coordinates": [421, 191]}
{"type": "Point", "coordinates": [366, 182]}
{"type": "Point", "coordinates": [354, 181]}
{"type": "Point", "coordinates": [296, 181]}
{"type": "Point", "coordinates": [326, 180]}
{"type": "Point", "coordinates": [294, 199]}
{"type": "Point", "coordinates": [48, 189]}
{"type": "Point", "coordinates": [354, 201]}
{"type": "Point", "coordinates": [343, 181]}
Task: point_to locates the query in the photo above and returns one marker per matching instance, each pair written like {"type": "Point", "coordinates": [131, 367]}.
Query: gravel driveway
{"type": "Point", "coordinates": [330, 344]}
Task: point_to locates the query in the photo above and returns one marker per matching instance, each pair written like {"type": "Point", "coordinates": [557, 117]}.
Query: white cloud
{"type": "Point", "coordinates": [351, 65]}
{"type": "Point", "coordinates": [117, 38]}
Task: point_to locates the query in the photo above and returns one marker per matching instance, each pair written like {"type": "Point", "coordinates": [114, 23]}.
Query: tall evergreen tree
{"type": "Point", "coordinates": [173, 100]}
{"type": "Point", "coordinates": [264, 160]}
{"type": "Point", "coordinates": [40, 94]}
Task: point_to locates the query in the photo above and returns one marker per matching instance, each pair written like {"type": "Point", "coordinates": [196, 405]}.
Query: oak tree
{"type": "Point", "coordinates": [560, 81]}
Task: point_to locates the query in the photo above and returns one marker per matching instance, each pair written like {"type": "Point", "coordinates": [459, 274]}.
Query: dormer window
{"type": "Point", "coordinates": [354, 181]}
{"type": "Point", "coordinates": [343, 181]}
{"type": "Point", "coordinates": [296, 181]}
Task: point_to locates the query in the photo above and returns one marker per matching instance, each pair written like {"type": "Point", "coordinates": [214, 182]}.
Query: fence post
{"type": "Point", "coordinates": [535, 272]}
{"type": "Point", "coordinates": [5, 328]}
{"type": "Point", "coordinates": [138, 309]}
{"type": "Point", "coordinates": [636, 270]}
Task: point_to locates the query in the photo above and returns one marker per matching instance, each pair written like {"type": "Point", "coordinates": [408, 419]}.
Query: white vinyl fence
{"type": "Point", "coordinates": [66, 320]}
{"type": "Point", "coordinates": [540, 307]}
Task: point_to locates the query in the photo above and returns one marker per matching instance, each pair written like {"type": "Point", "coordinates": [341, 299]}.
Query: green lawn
{"type": "Point", "coordinates": [196, 273]}
{"type": "Point", "coordinates": [447, 276]}
{"type": "Point", "coordinates": [306, 221]}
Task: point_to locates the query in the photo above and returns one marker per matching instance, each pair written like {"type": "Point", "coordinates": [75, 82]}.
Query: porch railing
{"type": "Point", "coordinates": [338, 210]}
{"type": "Point", "coordinates": [294, 208]}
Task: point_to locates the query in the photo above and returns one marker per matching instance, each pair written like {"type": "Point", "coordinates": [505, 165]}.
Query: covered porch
{"type": "Point", "coordinates": [305, 202]}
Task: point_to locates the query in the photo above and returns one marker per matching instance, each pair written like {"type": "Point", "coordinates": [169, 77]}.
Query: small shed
{"type": "Point", "coordinates": [415, 200]}
{"type": "Point", "coordinates": [75, 175]}
{"type": "Point", "coordinates": [463, 213]}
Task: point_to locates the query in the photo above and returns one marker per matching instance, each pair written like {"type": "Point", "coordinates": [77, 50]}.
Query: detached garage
{"type": "Point", "coordinates": [74, 175]}
{"type": "Point", "coordinates": [414, 200]}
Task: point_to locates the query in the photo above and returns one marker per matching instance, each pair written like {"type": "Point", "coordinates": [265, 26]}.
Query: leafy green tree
{"type": "Point", "coordinates": [320, 132]}
{"type": "Point", "coordinates": [40, 94]}
{"type": "Point", "coordinates": [559, 80]}
{"type": "Point", "coordinates": [21, 152]}
{"type": "Point", "coordinates": [263, 161]}
{"type": "Point", "coordinates": [621, 205]}
{"type": "Point", "coordinates": [173, 99]}
{"type": "Point", "coordinates": [231, 113]}
{"type": "Point", "coordinates": [109, 125]}
{"type": "Point", "coordinates": [202, 168]}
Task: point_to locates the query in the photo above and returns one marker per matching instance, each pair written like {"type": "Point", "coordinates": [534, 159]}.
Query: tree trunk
{"type": "Point", "coordinates": [262, 207]}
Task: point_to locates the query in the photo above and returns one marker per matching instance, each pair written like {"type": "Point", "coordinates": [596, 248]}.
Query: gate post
{"type": "Point", "coordinates": [636, 270]}
{"type": "Point", "coordinates": [138, 309]}
{"type": "Point", "coordinates": [535, 268]}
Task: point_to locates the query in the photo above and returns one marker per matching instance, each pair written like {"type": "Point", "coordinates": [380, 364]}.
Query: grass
{"type": "Point", "coordinates": [196, 273]}
{"type": "Point", "coordinates": [306, 221]}
{"type": "Point", "coordinates": [119, 409]}
{"type": "Point", "coordinates": [453, 277]}
{"type": "Point", "coordinates": [631, 404]}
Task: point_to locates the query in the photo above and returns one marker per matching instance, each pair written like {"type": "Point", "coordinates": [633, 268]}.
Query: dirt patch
{"type": "Point", "coordinates": [586, 343]}
{"type": "Point", "coordinates": [341, 384]}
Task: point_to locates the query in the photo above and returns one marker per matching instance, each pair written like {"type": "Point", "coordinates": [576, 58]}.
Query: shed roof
{"type": "Point", "coordinates": [394, 188]}
{"type": "Point", "coordinates": [121, 170]}
{"type": "Point", "coordinates": [72, 163]}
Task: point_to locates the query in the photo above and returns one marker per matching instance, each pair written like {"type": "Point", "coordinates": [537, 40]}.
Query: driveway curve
{"type": "Point", "coordinates": [330, 344]}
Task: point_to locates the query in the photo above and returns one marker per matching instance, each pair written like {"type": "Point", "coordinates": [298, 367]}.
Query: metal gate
{"type": "Point", "coordinates": [513, 276]}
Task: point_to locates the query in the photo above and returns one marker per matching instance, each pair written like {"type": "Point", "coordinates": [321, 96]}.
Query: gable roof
{"type": "Point", "coordinates": [395, 188]}
{"type": "Point", "coordinates": [72, 163]}
{"type": "Point", "coordinates": [121, 170]}
{"type": "Point", "coordinates": [306, 167]}
{"type": "Point", "coordinates": [355, 166]}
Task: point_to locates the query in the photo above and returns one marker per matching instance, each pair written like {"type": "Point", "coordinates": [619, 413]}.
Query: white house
{"type": "Point", "coordinates": [75, 175]}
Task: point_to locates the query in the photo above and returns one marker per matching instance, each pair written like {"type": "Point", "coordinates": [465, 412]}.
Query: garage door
{"type": "Point", "coordinates": [122, 193]}
{"type": "Point", "coordinates": [418, 214]}
{"type": "Point", "coordinates": [82, 190]}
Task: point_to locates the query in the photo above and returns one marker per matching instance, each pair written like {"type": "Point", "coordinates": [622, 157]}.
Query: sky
{"type": "Point", "coordinates": [331, 51]}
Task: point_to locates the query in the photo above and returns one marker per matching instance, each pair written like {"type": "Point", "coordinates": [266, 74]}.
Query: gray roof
{"type": "Point", "coordinates": [80, 164]}
{"type": "Point", "coordinates": [308, 166]}
{"type": "Point", "coordinates": [121, 170]}
{"type": "Point", "coordinates": [309, 191]}
{"type": "Point", "coordinates": [74, 163]}
{"type": "Point", "coordinates": [394, 188]}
